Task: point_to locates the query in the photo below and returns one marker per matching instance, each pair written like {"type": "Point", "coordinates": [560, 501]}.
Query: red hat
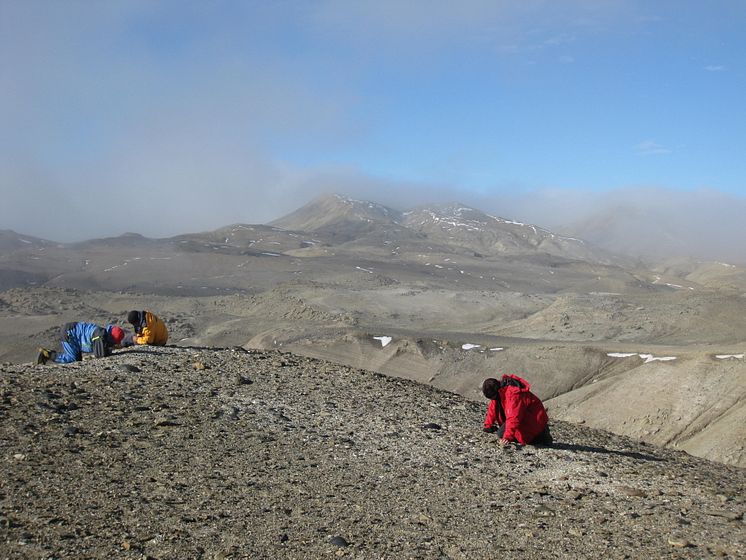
{"type": "Point", "coordinates": [117, 334]}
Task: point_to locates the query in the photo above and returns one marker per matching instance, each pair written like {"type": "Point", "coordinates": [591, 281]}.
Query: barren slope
{"type": "Point", "coordinates": [207, 453]}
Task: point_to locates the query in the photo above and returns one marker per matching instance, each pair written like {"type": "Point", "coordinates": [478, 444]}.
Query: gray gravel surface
{"type": "Point", "coordinates": [221, 453]}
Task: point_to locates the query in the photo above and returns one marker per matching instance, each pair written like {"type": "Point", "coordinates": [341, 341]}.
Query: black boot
{"type": "Point", "coordinates": [45, 356]}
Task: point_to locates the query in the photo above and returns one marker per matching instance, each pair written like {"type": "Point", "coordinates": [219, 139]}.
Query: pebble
{"type": "Point", "coordinates": [544, 511]}
{"type": "Point", "coordinates": [679, 542]}
{"type": "Point", "coordinates": [629, 491]}
{"type": "Point", "coordinates": [339, 541]}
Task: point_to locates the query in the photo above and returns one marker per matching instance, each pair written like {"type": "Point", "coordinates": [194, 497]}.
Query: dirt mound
{"type": "Point", "coordinates": [206, 453]}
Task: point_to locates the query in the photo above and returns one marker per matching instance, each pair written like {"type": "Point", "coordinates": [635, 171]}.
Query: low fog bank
{"type": "Point", "coordinates": [645, 222]}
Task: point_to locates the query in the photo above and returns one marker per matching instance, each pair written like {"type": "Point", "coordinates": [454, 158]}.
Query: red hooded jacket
{"type": "Point", "coordinates": [520, 410]}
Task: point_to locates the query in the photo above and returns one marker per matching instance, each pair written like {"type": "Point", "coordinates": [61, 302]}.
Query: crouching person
{"type": "Point", "coordinates": [82, 338]}
{"type": "Point", "coordinates": [514, 412]}
{"type": "Point", "coordinates": [149, 329]}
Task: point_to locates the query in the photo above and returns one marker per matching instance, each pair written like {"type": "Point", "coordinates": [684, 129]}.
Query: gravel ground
{"type": "Point", "coordinates": [222, 453]}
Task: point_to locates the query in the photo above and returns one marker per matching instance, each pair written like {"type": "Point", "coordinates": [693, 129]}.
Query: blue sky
{"type": "Point", "coordinates": [182, 116]}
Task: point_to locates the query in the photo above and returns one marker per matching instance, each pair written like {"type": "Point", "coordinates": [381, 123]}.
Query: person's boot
{"type": "Point", "coordinates": [45, 356]}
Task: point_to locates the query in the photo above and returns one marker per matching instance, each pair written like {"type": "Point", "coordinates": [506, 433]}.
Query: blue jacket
{"type": "Point", "coordinates": [83, 334]}
{"type": "Point", "coordinates": [79, 338]}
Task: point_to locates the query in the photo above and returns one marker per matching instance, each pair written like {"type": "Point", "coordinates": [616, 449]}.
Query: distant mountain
{"type": "Point", "coordinates": [131, 240]}
{"type": "Point", "coordinates": [455, 225]}
{"type": "Point", "coordinates": [343, 219]}
{"type": "Point", "coordinates": [460, 225]}
{"type": "Point", "coordinates": [12, 241]}
{"type": "Point", "coordinates": [336, 221]}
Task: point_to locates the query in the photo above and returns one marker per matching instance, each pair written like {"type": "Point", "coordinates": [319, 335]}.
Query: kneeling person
{"type": "Point", "coordinates": [514, 412]}
{"type": "Point", "coordinates": [149, 328]}
{"type": "Point", "coordinates": [82, 338]}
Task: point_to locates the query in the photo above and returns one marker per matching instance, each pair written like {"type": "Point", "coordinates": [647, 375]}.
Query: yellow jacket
{"type": "Point", "coordinates": [153, 332]}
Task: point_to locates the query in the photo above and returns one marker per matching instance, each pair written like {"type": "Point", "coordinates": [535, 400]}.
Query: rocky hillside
{"type": "Point", "coordinates": [10, 241]}
{"type": "Point", "coordinates": [341, 218]}
{"type": "Point", "coordinates": [222, 453]}
{"type": "Point", "coordinates": [459, 225]}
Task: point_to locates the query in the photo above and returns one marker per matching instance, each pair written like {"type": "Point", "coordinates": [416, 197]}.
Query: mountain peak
{"type": "Point", "coordinates": [337, 215]}
{"type": "Point", "coordinates": [11, 240]}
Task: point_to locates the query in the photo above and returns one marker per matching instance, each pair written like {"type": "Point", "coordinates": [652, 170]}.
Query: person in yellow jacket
{"type": "Point", "coordinates": [149, 328]}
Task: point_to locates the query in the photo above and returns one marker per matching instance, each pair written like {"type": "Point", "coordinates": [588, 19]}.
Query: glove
{"type": "Point", "coordinates": [491, 429]}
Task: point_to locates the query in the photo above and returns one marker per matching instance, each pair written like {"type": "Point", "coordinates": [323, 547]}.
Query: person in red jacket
{"type": "Point", "coordinates": [514, 412]}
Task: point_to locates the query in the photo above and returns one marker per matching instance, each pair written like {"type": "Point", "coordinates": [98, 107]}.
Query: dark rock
{"type": "Point", "coordinates": [339, 541]}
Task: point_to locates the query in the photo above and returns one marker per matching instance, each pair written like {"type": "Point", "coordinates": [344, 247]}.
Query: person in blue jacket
{"type": "Point", "coordinates": [79, 338]}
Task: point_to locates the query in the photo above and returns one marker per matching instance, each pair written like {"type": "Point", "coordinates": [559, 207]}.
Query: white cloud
{"type": "Point", "coordinates": [715, 68]}
{"type": "Point", "coordinates": [651, 148]}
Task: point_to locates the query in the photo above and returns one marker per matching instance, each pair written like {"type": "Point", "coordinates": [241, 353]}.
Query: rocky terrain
{"type": "Point", "coordinates": [195, 452]}
{"type": "Point", "coordinates": [441, 294]}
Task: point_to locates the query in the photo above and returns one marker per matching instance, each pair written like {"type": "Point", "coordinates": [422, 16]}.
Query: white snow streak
{"type": "Point", "coordinates": [384, 340]}
{"type": "Point", "coordinates": [647, 357]}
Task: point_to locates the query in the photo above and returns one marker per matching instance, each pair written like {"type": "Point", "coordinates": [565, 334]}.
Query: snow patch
{"type": "Point", "coordinates": [729, 356]}
{"type": "Point", "coordinates": [384, 340]}
{"type": "Point", "coordinates": [468, 346]}
{"type": "Point", "coordinates": [647, 357]}
{"type": "Point", "coordinates": [650, 358]}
